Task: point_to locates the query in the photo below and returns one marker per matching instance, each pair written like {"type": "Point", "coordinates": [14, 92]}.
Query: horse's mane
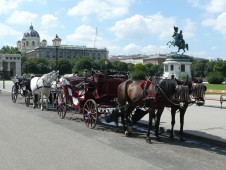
{"type": "Point", "coordinates": [198, 90]}
{"type": "Point", "coordinates": [166, 88]}
{"type": "Point", "coordinates": [182, 93]}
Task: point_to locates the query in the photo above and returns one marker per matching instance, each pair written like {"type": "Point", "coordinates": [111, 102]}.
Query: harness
{"type": "Point", "coordinates": [44, 86]}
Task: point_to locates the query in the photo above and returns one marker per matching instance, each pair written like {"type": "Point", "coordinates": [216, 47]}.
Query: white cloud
{"type": "Point", "coordinates": [132, 48]}
{"type": "Point", "coordinates": [6, 31]}
{"type": "Point", "coordinates": [49, 21]}
{"type": "Point", "coordinates": [152, 49]}
{"type": "Point", "coordinates": [189, 29]}
{"type": "Point", "coordinates": [218, 24]}
{"type": "Point", "coordinates": [86, 35]}
{"type": "Point", "coordinates": [21, 17]}
{"type": "Point", "coordinates": [103, 9]}
{"type": "Point", "coordinates": [216, 6]}
{"type": "Point", "coordinates": [195, 3]}
{"type": "Point", "coordinates": [6, 6]}
{"type": "Point", "coordinates": [139, 27]}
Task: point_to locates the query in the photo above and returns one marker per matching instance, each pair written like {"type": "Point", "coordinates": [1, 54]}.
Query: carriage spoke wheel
{"type": "Point", "coordinates": [14, 94]}
{"type": "Point", "coordinates": [61, 105]}
{"type": "Point", "coordinates": [27, 98]}
{"type": "Point", "coordinates": [90, 113]}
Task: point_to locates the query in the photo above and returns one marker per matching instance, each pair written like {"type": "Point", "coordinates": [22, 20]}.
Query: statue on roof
{"type": "Point", "coordinates": [178, 40]}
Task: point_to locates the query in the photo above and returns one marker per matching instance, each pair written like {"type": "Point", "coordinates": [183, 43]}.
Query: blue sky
{"type": "Point", "coordinates": [124, 27]}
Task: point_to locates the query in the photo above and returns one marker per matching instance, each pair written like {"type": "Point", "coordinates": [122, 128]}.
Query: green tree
{"type": "Point", "coordinates": [198, 68]}
{"type": "Point", "coordinates": [215, 78]}
{"type": "Point", "coordinates": [209, 67]}
{"type": "Point", "coordinates": [9, 50]}
{"type": "Point", "coordinates": [82, 64]}
{"type": "Point", "coordinates": [65, 66]}
{"type": "Point", "coordinates": [121, 66]}
{"type": "Point", "coordinates": [42, 68]}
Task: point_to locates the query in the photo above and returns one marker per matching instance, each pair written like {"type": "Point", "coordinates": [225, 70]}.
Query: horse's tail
{"type": "Point", "coordinates": [122, 92]}
{"type": "Point", "coordinates": [186, 45]}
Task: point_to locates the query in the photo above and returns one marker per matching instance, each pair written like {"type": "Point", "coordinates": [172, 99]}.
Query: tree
{"type": "Point", "coordinates": [9, 50]}
{"type": "Point", "coordinates": [121, 66]}
{"type": "Point", "coordinates": [198, 68]}
{"type": "Point", "coordinates": [65, 66]}
{"type": "Point", "coordinates": [209, 67]}
{"type": "Point", "coordinates": [82, 64]}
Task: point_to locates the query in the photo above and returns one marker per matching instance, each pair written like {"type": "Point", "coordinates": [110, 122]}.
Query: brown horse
{"type": "Point", "coordinates": [197, 91]}
{"type": "Point", "coordinates": [159, 94]}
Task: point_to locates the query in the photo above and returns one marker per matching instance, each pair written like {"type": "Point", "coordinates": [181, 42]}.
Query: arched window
{"type": "Point", "coordinates": [27, 43]}
{"type": "Point", "coordinates": [33, 43]}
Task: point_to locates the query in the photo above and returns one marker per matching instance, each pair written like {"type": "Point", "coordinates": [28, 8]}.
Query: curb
{"type": "Point", "coordinates": [207, 140]}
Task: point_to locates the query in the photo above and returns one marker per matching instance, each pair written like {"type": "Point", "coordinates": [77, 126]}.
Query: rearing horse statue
{"type": "Point", "coordinates": [178, 41]}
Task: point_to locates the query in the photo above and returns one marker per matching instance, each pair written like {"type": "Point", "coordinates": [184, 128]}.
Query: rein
{"type": "Point", "coordinates": [170, 101]}
{"type": "Point", "coordinates": [44, 86]}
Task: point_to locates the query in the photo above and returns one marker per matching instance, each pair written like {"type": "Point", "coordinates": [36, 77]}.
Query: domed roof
{"type": "Point", "coordinates": [31, 33]}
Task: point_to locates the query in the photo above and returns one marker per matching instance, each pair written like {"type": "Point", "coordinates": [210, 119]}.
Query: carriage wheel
{"type": "Point", "coordinates": [61, 104]}
{"type": "Point", "coordinates": [90, 113]}
{"type": "Point", "coordinates": [27, 98]}
{"type": "Point", "coordinates": [14, 94]}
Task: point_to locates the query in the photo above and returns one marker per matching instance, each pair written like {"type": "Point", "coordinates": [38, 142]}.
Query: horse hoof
{"type": "Point", "coordinates": [161, 130]}
{"type": "Point", "coordinates": [127, 133]}
{"type": "Point", "coordinates": [158, 139]}
{"type": "Point", "coordinates": [172, 138]}
{"type": "Point", "coordinates": [181, 139]}
{"type": "Point", "coordinates": [148, 140]}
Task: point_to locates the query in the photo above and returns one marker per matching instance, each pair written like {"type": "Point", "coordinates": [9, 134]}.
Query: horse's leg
{"type": "Point", "coordinates": [47, 102]}
{"type": "Point", "coordinates": [128, 121]}
{"type": "Point", "coordinates": [182, 113]}
{"type": "Point", "coordinates": [123, 122]}
{"type": "Point", "coordinates": [157, 123]}
{"type": "Point", "coordinates": [173, 113]}
{"type": "Point", "coordinates": [33, 100]}
{"type": "Point", "coordinates": [151, 116]}
{"type": "Point", "coordinates": [41, 103]}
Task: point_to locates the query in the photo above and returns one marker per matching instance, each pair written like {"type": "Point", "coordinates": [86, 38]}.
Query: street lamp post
{"type": "Point", "coordinates": [3, 74]}
{"type": "Point", "coordinates": [56, 43]}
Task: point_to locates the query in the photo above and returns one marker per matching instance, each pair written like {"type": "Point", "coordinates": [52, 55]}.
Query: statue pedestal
{"type": "Point", "coordinates": [178, 65]}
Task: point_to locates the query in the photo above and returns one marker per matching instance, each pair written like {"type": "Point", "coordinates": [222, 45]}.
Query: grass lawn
{"type": "Point", "coordinates": [215, 86]}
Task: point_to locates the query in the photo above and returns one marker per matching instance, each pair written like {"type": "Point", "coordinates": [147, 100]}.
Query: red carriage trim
{"type": "Point", "coordinates": [145, 82]}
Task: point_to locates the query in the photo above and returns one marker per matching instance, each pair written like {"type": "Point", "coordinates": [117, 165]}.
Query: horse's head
{"type": "Point", "coordinates": [172, 92]}
{"type": "Point", "coordinates": [50, 77]}
{"type": "Point", "coordinates": [198, 93]}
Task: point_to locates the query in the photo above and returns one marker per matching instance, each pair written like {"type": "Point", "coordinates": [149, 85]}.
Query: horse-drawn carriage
{"type": "Point", "coordinates": [43, 91]}
{"type": "Point", "coordinates": [91, 96]}
{"type": "Point", "coordinates": [21, 86]}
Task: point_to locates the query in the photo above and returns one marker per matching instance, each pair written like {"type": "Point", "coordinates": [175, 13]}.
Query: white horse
{"type": "Point", "coordinates": [41, 87]}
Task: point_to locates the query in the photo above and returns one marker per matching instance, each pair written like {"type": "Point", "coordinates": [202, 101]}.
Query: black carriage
{"type": "Point", "coordinates": [91, 96]}
{"type": "Point", "coordinates": [21, 87]}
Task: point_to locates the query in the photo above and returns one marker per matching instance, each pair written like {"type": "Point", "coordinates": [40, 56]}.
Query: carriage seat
{"type": "Point", "coordinates": [107, 84]}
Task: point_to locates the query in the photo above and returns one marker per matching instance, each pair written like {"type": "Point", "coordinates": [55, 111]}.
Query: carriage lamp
{"type": "Point", "coordinates": [56, 43]}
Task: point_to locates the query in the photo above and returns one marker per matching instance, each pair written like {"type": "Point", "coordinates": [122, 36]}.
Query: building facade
{"type": "Point", "coordinates": [31, 46]}
{"type": "Point", "coordinates": [10, 64]}
{"type": "Point", "coordinates": [177, 65]}
{"type": "Point", "coordinates": [141, 59]}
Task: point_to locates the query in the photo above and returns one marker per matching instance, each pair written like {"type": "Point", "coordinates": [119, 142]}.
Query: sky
{"type": "Point", "coordinates": [124, 27]}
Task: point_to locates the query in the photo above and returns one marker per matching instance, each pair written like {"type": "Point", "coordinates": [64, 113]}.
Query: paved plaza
{"type": "Point", "coordinates": [206, 122]}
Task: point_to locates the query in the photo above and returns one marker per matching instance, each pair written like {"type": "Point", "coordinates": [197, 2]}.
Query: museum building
{"type": "Point", "coordinates": [32, 46]}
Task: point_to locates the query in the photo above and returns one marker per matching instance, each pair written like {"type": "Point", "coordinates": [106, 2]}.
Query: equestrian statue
{"type": "Point", "coordinates": [178, 41]}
